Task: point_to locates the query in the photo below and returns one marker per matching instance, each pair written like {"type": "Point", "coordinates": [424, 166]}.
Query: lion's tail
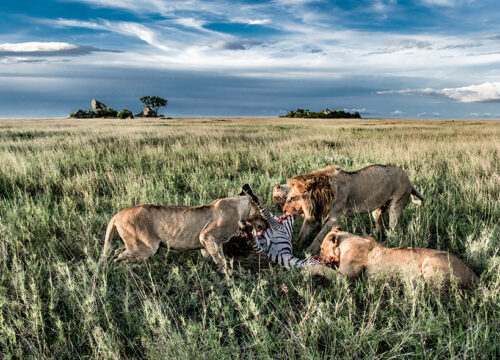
{"type": "Point", "coordinates": [416, 197]}
{"type": "Point", "coordinates": [107, 239]}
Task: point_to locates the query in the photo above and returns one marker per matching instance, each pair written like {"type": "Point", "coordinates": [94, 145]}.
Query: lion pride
{"type": "Point", "coordinates": [326, 194]}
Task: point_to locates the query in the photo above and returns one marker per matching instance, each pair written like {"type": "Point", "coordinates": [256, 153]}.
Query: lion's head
{"type": "Point", "coordinates": [280, 193]}
{"type": "Point", "coordinates": [310, 194]}
{"type": "Point", "coordinates": [330, 252]}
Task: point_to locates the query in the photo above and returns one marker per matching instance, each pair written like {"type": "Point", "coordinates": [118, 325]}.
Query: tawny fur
{"type": "Point", "coordinates": [356, 254]}
{"type": "Point", "coordinates": [143, 227]}
{"type": "Point", "coordinates": [279, 194]}
{"type": "Point", "coordinates": [326, 194]}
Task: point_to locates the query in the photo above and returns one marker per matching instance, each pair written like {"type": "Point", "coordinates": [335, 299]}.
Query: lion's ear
{"type": "Point", "coordinates": [309, 185]}
{"type": "Point", "coordinates": [335, 228]}
{"type": "Point", "coordinates": [241, 192]}
{"type": "Point", "coordinates": [277, 186]}
{"type": "Point", "coordinates": [334, 237]}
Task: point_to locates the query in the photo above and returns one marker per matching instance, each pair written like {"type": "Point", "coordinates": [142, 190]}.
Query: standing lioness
{"type": "Point", "coordinates": [326, 194]}
{"type": "Point", "coordinates": [205, 227]}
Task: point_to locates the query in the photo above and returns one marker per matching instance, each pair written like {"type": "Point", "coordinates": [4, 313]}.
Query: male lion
{"type": "Point", "coordinates": [331, 192]}
{"type": "Point", "coordinates": [205, 227]}
{"type": "Point", "coordinates": [355, 254]}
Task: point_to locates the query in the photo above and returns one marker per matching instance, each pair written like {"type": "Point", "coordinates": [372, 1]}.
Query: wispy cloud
{"type": "Point", "coordinates": [429, 114]}
{"type": "Point", "coordinates": [404, 44]}
{"type": "Point", "coordinates": [235, 44]}
{"type": "Point", "coordinates": [440, 2]}
{"type": "Point", "coordinates": [492, 37]}
{"type": "Point", "coordinates": [483, 115]}
{"type": "Point", "coordinates": [486, 92]}
{"type": "Point", "coordinates": [133, 29]}
{"type": "Point", "coordinates": [397, 113]}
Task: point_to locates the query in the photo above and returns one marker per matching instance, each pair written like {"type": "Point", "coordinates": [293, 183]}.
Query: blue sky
{"type": "Point", "coordinates": [383, 58]}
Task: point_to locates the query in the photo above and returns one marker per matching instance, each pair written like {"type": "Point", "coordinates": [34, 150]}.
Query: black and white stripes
{"type": "Point", "coordinates": [276, 241]}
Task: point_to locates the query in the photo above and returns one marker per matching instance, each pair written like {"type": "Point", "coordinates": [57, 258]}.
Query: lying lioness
{"type": "Point", "coordinates": [355, 254]}
{"type": "Point", "coordinates": [205, 227]}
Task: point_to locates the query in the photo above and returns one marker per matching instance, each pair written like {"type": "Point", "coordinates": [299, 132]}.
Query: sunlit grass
{"type": "Point", "coordinates": [62, 180]}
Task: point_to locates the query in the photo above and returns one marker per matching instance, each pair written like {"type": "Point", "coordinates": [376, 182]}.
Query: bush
{"type": "Point", "coordinates": [125, 113]}
{"type": "Point", "coordinates": [108, 112]}
{"type": "Point", "coordinates": [325, 114]}
{"type": "Point", "coordinates": [80, 114]}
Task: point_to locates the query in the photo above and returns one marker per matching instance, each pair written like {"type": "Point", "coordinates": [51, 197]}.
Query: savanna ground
{"type": "Point", "coordinates": [62, 180]}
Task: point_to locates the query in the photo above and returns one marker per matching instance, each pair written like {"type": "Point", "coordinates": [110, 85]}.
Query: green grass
{"type": "Point", "coordinates": [62, 180]}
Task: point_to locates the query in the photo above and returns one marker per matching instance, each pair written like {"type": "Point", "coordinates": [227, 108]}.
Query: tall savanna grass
{"type": "Point", "coordinates": [62, 180]}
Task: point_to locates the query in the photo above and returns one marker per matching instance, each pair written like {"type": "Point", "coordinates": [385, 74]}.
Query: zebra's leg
{"type": "Point", "coordinates": [321, 270]}
{"type": "Point", "coordinates": [263, 211]}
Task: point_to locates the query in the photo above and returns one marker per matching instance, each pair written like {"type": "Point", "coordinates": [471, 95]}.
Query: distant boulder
{"type": "Point", "coordinates": [96, 105]}
{"type": "Point", "coordinates": [148, 112]}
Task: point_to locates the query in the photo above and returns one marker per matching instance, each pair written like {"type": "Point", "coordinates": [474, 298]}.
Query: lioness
{"type": "Point", "coordinates": [328, 193]}
{"type": "Point", "coordinates": [355, 254]}
{"type": "Point", "coordinates": [143, 227]}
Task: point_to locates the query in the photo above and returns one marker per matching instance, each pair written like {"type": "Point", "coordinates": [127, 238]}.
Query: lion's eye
{"type": "Point", "coordinates": [295, 198]}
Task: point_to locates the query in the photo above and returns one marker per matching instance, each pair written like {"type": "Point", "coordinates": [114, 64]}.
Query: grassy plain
{"type": "Point", "coordinates": [62, 180]}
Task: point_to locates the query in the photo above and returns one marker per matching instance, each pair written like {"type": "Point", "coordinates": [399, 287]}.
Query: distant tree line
{"type": "Point", "coordinates": [153, 104]}
{"type": "Point", "coordinates": [327, 114]}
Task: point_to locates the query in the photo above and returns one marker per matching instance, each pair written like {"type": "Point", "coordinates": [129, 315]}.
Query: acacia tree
{"type": "Point", "coordinates": [154, 102]}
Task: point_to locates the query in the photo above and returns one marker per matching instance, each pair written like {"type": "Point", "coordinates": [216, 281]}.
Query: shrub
{"type": "Point", "coordinates": [80, 114]}
{"type": "Point", "coordinates": [125, 113]}
{"type": "Point", "coordinates": [108, 112]}
{"type": "Point", "coordinates": [325, 114]}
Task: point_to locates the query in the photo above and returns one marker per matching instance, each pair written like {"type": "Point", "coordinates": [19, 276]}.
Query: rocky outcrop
{"type": "Point", "coordinates": [96, 105]}
{"type": "Point", "coordinates": [148, 112]}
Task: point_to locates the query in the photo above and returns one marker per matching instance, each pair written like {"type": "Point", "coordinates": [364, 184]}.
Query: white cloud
{"type": "Point", "coordinates": [440, 2]}
{"type": "Point", "coordinates": [241, 20]}
{"type": "Point", "coordinates": [23, 52]}
{"type": "Point", "coordinates": [355, 110]}
{"type": "Point", "coordinates": [191, 23]}
{"type": "Point", "coordinates": [488, 91]}
{"type": "Point", "coordinates": [30, 47]}
{"type": "Point", "coordinates": [295, 48]}
{"type": "Point", "coordinates": [397, 112]}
